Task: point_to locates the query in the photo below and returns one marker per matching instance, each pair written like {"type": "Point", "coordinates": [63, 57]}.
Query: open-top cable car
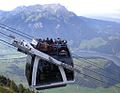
{"type": "Point", "coordinates": [45, 63]}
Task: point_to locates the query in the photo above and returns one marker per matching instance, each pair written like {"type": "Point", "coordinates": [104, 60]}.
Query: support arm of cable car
{"type": "Point", "coordinates": [27, 48]}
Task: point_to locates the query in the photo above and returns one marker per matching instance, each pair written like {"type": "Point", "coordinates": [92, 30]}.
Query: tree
{"type": "Point", "coordinates": [21, 88]}
{"type": "Point", "coordinates": [13, 86]}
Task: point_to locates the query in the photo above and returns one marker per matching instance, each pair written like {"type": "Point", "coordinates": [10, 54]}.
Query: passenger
{"type": "Point", "coordinates": [65, 41]}
{"type": "Point", "coordinates": [43, 40]}
{"type": "Point", "coordinates": [51, 41]}
{"type": "Point", "coordinates": [58, 39]}
{"type": "Point", "coordinates": [38, 46]}
{"type": "Point", "coordinates": [62, 42]}
{"type": "Point", "coordinates": [40, 40]}
{"type": "Point", "coordinates": [55, 41]}
{"type": "Point", "coordinates": [47, 40]}
{"type": "Point", "coordinates": [50, 44]}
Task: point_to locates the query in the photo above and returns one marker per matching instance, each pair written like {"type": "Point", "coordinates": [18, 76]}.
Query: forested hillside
{"type": "Point", "coordinates": [9, 86]}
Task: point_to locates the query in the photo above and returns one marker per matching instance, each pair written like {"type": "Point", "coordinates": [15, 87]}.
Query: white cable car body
{"type": "Point", "coordinates": [46, 69]}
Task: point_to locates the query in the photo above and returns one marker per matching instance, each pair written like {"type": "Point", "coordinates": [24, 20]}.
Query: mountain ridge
{"type": "Point", "coordinates": [43, 21]}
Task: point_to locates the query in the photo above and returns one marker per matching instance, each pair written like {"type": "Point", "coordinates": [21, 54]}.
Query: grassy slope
{"type": "Point", "coordinates": [78, 89]}
{"type": "Point", "coordinates": [93, 43]}
{"type": "Point", "coordinates": [13, 70]}
{"type": "Point", "coordinates": [7, 64]}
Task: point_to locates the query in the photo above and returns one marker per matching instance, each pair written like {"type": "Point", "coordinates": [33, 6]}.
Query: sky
{"type": "Point", "coordinates": [79, 7]}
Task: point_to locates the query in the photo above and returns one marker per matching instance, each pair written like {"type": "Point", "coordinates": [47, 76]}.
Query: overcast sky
{"type": "Point", "coordinates": [80, 7]}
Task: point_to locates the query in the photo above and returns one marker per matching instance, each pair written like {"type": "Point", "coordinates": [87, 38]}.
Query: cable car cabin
{"type": "Point", "coordinates": [44, 75]}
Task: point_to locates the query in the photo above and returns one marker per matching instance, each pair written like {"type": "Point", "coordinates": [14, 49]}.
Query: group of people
{"type": "Point", "coordinates": [49, 45]}
{"type": "Point", "coordinates": [51, 41]}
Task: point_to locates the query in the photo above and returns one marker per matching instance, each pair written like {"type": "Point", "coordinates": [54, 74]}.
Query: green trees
{"type": "Point", "coordinates": [21, 88]}
{"type": "Point", "coordinates": [13, 86]}
{"type": "Point", "coordinates": [6, 82]}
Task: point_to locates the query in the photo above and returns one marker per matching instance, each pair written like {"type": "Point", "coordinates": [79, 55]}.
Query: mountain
{"type": "Point", "coordinates": [82, 33]}
{"type": "Point", "coordinates": [105, 18]}
{"type": "Point", "coordinates": [54, 20]}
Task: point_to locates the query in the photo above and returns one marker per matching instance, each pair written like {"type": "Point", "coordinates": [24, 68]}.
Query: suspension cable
{"type": "Point", "coordinates": [98, 73]}
{"type": "Point", "coordinates": [5, 42]}
{"type": "Point", "coordinates": [15, 32]}
{"type": "Point", "coordinates": [78, 71]}
{"type": "Point", "coordinates": [91, 63]}
{"type": "Point", "coordinates": [14, 58]}
{"type": "Point", "coordinates": [4, 34]}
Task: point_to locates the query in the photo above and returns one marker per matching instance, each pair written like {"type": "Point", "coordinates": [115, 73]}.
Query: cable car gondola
{"type": "Point", "coordinates": [42, 74]}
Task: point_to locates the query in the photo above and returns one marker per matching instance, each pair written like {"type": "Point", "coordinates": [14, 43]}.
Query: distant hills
{"type": "Point", "coordinates": [54, 20]}
{"type": "Point", "coordinates": [112, 19]}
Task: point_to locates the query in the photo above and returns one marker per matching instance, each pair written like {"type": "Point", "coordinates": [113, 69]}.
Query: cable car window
{"type": "Point", "coordinates": [47, 73]}
{"type": "Point", "coordinates": [29, 68]}
{"type": "Point", "coordinates": [69, 74]}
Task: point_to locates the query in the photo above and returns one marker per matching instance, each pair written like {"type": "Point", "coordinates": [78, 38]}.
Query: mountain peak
{"type": "Point", "coordinates": [46, 11]}
{"type": "Point", "coordinates": [38, 7]}
{"type": "Point", "coordinates": [55, 7]}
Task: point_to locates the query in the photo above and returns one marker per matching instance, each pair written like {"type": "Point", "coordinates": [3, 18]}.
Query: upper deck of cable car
{"type": "Point", "coordinates": [52, 47]}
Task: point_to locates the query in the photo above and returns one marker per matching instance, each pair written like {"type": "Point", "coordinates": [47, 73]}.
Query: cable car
{"type": "Point", "coordinates": [42, 74]}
